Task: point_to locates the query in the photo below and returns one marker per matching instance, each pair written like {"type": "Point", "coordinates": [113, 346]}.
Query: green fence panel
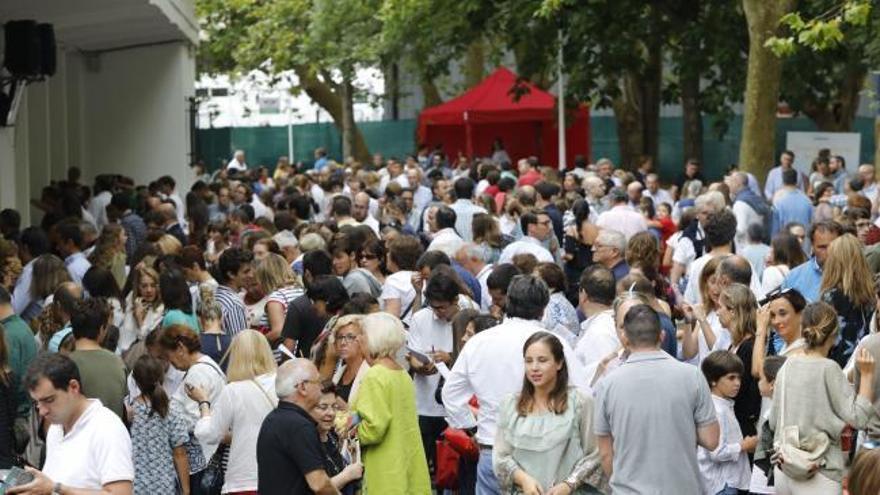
{"type": "Point", "coordinates": [263, 145]}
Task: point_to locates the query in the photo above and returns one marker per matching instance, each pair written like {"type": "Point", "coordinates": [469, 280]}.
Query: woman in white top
{"type": "Point", "coordinates": [282, 285]}
{"type": "Point", "coordinates": [785, 254]}
{"type": "Point", "coordinates": [704, 332]}
{"type": "Point", "coordinates": [398, 293]}
{"type": "Point", "coordinates": [240, 408]}
{"type": "Point", "coordinates": [180, 346]}
{"type": "Point", "coordinates": [143, 308]}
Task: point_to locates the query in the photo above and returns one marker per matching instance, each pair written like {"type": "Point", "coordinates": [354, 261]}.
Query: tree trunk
{"type": "Point", "coordinates": [630, 124]}
{"type": "Point", "coordinates": [348, 124]}
{"type": "Point", "coordinates": [692, 120]}
{"type": "Point", "coordinates": [839, 114]}
{"type": "Point", "coordinates": [475, 63]}
{"type": "Point", "coordinates": [650, 83]}
{"type": "Point", "coordinates": [430, 91]}
{"type": "Point", "coordinates": [324, 95]}
{"type": "Point", "coordinates": [394, 90]}
{"type": "Point", "coordinates": [757, 148]}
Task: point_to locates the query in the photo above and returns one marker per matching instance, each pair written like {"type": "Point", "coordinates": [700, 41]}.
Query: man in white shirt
{"type": "Point", "coordinates": [473, 258]}
{"type": "Point", "coordinates": [421, 195]}
{"type": "Point", "coordinates": [70, 244]}
{"type": "Point", "coordinates": [491, 367]}
{"type": "Point", "coordinates": [748, 207]}
{"type": "Point", "coordinates": [465, 209]}
{"type": "Point", "coordinates": [445, 238]}
{"type": "Point", "coordinates": [653, 191]}
{"type": "Point", "coordinates": [690, 245]}
{"type": "Point", "coordinates": [430, 334]}
{"type": "Point", "coordinates": [720, 230]}
{"type": "Point", "coordinates": [599, 336]}
{"type": "Point", "coordinates": [237, 164]}
{"type": "Point", "coordinates": [621, 217]}
{"type": "Point", "coordinates": [537, 227]}
{"type": "Point", "coordinates": [100, 200]}
{"type": "Point", "coordinates": [88, 448]}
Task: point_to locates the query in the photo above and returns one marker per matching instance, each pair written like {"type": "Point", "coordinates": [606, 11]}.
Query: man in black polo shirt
{"type": "Point", "coordinates": [289, 456]}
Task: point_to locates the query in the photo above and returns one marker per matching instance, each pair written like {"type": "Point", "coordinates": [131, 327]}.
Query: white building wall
{"type": "Point", "coordinates": [122, 111]}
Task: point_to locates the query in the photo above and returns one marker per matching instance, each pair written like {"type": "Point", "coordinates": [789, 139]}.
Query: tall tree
{"type": "Point", "coordinates": [757, 148]}
{"type": "Point", "coordinates": [301, 36]}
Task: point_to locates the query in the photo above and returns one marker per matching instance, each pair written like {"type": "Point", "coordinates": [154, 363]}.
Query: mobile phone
{"type": "Point", "coordinates": [17, 477]}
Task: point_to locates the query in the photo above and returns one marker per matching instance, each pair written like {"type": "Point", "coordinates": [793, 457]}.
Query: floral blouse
{"type": "Point", "coordinates": [153, 439]}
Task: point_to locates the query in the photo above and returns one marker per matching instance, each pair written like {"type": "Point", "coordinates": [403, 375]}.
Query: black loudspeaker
{"type": "Point", "coordinates": [23, 48]}
{"type": "Point", "coordinates": [48, 58]}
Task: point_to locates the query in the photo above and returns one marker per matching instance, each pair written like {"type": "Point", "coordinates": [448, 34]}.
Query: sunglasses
{"type": "Point", "coordinates": [774, 294]}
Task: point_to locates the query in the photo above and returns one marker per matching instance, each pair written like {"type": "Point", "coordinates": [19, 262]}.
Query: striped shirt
{"type": "Point", "coordinates": [233, 308]}
{"type": "Point", "coordinates": [282, 296]}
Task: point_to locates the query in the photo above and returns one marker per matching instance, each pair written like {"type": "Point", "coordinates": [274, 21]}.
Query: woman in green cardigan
{"type": "Point", "coordinates": [385, 407]}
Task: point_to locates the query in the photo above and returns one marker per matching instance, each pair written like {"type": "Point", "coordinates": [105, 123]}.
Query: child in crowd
{"type": "Point", "coordinates": [766, 383]}
{"type": "Point", "coordinates": [725, 470]}
{"type": "Point", "coordinates": [158, 434]}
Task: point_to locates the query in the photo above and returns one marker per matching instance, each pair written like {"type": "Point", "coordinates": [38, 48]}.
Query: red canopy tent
{"type": "Point", "coordinates": [471, 122]}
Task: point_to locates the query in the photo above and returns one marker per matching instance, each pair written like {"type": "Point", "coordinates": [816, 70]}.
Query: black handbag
{"type": "Point", "coordinates": [212, 477]}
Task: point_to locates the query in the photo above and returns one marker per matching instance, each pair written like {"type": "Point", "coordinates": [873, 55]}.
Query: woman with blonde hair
{"type": "Point", "coordinates": [737, 309]}
{"type": "Point", "coordinates": [696, 345]}
{"type": "Point", "coordinates": [847, 286]}
{"type": "Point", "coordinates": [386, 407]}
{"type": "Point", "coordinates": [282, 285]}
{"type": "Point", "coordinates": [109, 251]}
{"type": "Point", "coordinates": [48, 273]}
{"type": "Point", "coordinates": [813, 396]}
{"type": "Point", "coordinates": [143, 308]}
{"type": "Point", "coordinates": [347, 335]}
{"type": "Point", "coordinates": [169, 245]}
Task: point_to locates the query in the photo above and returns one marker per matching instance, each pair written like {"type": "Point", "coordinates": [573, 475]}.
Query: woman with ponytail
{"type": "Point", "coordinates": [215, 342]}
{"type": "Point", "coordinates": [158, 434]}
{"type": "Point", "coordinates": [813, 395]}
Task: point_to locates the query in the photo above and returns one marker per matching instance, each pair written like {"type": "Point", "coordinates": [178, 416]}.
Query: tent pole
{"type": "Point", "coordinates": [469, 142]}
{"type": "Point", "coordinates": [561, 105]}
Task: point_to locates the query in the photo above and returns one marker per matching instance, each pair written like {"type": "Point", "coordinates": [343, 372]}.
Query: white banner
{"type": "Point", "coordinates": [806, 146]}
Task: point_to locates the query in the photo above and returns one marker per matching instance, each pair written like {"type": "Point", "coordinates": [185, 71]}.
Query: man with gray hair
{"type": "Point", "coordinates": [691, 244]}
{"type": "Point", "coordinates": [290, 458]}
{"type": "Point", "coordinates": [609, 250]}
{"type": "Point", "coordinates": [237, 163]}
{"type": "Point", "coordinates": [748, 207]}
{"type": "Point", "coordinates": [491, 367]}
{"type": "Point", "coordinates": [474, 259]}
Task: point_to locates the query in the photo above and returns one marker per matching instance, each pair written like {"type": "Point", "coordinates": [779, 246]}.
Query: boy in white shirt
{"type": "Point", "coordinates": [725, 470]}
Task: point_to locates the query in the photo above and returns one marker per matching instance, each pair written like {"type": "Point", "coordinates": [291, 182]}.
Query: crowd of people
{"type": "Point", "coordinates": [430, 324]}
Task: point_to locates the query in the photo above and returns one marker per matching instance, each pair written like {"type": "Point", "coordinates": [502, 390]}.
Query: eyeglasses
{"type": "Point", "coordinates": [367, 256]}
{"type": "Point", "coordinates": [346, 338]}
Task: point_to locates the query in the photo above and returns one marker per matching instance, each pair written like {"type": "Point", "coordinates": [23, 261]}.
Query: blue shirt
{"type": "Point", "coordinates": [806, 278]}
{"type": "Point", "coordinates": [793, 206]}
{"type": "Point", "coordinates": [469, 280]}
{"type": "Point", "coordinates": [774, 182]}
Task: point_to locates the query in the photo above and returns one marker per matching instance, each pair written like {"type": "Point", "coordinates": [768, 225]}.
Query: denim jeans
{"type": "Point", "coordinates": [487, 483]}
{"type": "Point", "coordinates": [728, 490]}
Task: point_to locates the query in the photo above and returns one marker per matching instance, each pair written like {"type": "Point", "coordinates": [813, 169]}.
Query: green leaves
{"type": "Point", "coordinates": [826, 30]}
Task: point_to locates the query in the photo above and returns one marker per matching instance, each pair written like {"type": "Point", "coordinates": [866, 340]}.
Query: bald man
{"type": "Point", "coordinates": [171, 225]}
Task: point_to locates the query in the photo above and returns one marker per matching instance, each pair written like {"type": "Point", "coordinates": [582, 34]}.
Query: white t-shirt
{"type": "Point", "coordinates": [95, 452]}
{"type": "Point", "coordinates": [399, 286]}
{"type": "Point", "coordinates": [428, 333]}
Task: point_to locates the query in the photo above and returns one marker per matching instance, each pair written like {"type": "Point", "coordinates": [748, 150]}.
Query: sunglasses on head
{"type": "Point", "coordinates": [774, 294]}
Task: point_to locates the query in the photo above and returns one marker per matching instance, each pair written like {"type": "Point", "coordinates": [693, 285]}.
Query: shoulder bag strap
{"type": "Point", "coordinates": [272, 403]}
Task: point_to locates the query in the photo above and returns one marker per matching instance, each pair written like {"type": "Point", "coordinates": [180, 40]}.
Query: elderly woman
{"type": "Point", "coordinates": [240, 408]}
{"type": "Point", "coordinates": [347, 338]}
{"type": "Point", "coordinates": [385, 413]}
